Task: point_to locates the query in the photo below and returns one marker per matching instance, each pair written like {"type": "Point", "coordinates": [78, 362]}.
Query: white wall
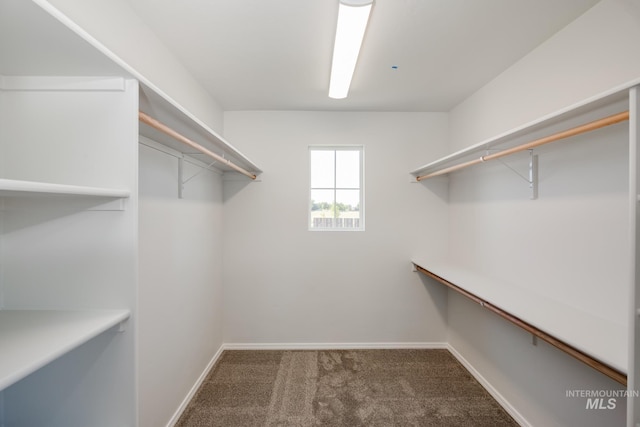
{"type": "Point", "coordinates": [285, 284]}
{"type": "Point", "coordinates": [116, 26]}
{"type": "Point", "coordinates": [180, 289]}
{"type": "Point", "coordinates": [570, 244]}
{"type": "Point", "coordinates": [589, 56]}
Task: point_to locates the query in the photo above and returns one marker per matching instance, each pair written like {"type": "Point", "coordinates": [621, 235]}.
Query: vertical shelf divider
{"type": "Point", "coordinates": [633, 377]}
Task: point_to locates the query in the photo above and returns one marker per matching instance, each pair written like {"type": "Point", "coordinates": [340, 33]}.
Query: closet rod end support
{"type": "Point", "coordinates": [122, 326]}
{"type": "Point", "coordinates": [533, 175]}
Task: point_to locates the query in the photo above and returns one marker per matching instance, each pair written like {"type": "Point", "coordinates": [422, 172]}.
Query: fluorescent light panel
{"type": "Point", "coordinates": [352, 22]}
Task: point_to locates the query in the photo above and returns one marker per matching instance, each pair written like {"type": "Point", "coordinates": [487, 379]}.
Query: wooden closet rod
{"type": "Point", "coordinates": [561, 345]}
{"type": "Point", "coordinates": [587, 127]}
{"type": "Point", "coordinates": [144, 118]}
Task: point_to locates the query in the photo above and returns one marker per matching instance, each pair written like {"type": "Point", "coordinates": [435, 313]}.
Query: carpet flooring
{"type": "Point", "coordinates": [336, 388]}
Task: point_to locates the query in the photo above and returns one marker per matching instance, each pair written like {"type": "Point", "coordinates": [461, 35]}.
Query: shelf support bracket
{"type": "Point", "coordinates": [532, 178]}
{"type": "Point", "coordinates": [533, 174]}
{"type": "Point", "coordinates": [122, 326]}
{"type": "Point", "coordinates": [202, 169]}
{"type": "Point", "coordinates": [180, 175]}
{"type": "Point", "coordinates": [182, 181]}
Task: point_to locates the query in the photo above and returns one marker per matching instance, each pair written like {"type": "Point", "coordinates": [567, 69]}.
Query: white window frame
{"type": "Point", "coordinates": [360, 149]}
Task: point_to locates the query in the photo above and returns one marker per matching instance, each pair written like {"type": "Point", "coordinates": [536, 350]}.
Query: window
{"type": "Point", "coordinates": [337, 193]}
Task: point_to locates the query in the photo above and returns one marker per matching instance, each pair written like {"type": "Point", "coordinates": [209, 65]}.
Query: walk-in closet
{"type": "Point", "coordinates": [198, 228]}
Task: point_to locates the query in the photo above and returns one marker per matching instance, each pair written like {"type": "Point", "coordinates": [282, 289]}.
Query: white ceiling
{"type": "Point", "coordinates": [276, 54]}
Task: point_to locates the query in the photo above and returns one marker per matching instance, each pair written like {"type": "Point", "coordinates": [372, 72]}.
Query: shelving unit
{"type": "Point", "coordinates": [68, 157]}
{"type": "Point", "coordinates": [602, 340]}
{"type": "Point", "coordinates": [33, 338]}
{"type": "Point", "coordinates": [69, 133]}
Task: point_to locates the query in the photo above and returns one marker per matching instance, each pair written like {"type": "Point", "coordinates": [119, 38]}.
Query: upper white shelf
{"type": "Point", "coordinates": [162, 108]}
{"type": "Point", "coordinates": [9, 187]}
{"type": "Point", "coordinates": [30, 339]}
{"type": "Point", "coordinates": [601, 338]}
{"type": "Point", "coordinates": [79, 53]}
{"type": "Point", "coordinates": [513, 137]}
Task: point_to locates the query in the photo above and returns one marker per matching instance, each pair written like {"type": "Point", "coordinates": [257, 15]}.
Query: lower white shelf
{"type": "Point", "coordinates": [30, 339]}
{"type": "Point", "coordinates": [600, 338]}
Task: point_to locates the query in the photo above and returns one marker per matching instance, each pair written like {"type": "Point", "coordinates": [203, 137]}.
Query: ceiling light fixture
{"type": "Point", "coordinates": [353, 16]}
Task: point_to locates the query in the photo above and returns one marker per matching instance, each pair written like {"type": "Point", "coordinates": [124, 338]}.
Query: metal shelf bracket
{"type": "Point", "coordinates": [122, 326]}
{"type": "Point", "coordinates": [533, 174]}
{"type": "Point", "coordinates": [532, 178]}
{"type": "Point", "coordinates": [182, 181]}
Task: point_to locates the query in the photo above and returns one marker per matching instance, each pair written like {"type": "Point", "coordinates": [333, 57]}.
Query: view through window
{"type": "Point", "coordinates": [336, 201]}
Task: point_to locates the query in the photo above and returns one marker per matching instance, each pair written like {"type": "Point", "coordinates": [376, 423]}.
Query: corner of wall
{"type": "Point", "coordinates": [589, 56]}
{"type": "Point", "coordinates": [148, 57]}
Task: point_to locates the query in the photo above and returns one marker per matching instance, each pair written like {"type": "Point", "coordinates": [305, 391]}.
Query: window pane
{"type": "Point", "coordinates": [322, 168]}
{"type": "Point", "coordinates": [347, 169]}
{"type": "Point", "coordinates": [348, 200]}
{"type": "Point", "coordinates": [348, 208]}
{"type": "Point", "coordinates": [322, 209]}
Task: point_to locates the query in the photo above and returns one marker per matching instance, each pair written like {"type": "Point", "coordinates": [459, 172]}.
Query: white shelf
{"type": "Point", "coordinates": [602, 339]}
{"type": "Point", "coordinates": [9, 187]}
{"type": "Point", "coordinates": [30, 339]}
{"type": "Point", "coordinates": [161, 107]}
{"type": "Point", "coordinates": [510, 138]}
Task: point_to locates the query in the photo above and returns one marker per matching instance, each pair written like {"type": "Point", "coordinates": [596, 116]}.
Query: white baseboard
{"type": "Point", "coordinates": [517, 416]}
{"type": "Point", "coordinates": [185, 402]}
{"type": "Point", "coordinates": [334, 346]}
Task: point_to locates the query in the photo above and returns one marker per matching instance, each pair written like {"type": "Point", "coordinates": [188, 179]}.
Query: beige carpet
{"type": "Point", "coordinates": [342, 388]}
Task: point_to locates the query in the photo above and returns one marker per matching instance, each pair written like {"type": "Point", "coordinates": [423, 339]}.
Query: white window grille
{"type": "Point", "coordinates": [336, 199]}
